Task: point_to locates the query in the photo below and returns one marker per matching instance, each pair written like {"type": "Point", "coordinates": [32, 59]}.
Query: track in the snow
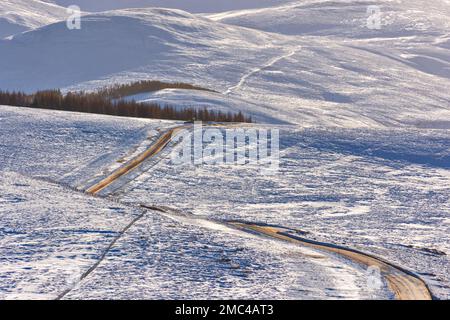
{"type": "Point", "coordinates": [404, 284]}
{"type": "Point", "coordinates": [134, 163]}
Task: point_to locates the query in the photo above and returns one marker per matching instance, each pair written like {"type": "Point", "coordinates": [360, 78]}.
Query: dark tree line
{"type": "Point", "coordinates": [123, 90]}
{"type": "Point", "coordinates": [100, 103]}
{"type": "Point", "coordinates": [14, 98]}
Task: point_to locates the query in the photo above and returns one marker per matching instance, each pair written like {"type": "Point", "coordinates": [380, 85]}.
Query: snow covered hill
{"type": "Point", "coordinates": [156, 43]}
{"type": "Point", "coordinates": [361, 162]}
{"type": "Point", "coordinates": [347, 18]}
{"type": "Point", "coordinates": [324, 67]}
{"type": "Point", "coordinates": [193, 6]}
{"type": "Point", "coordinates": [22, 15]}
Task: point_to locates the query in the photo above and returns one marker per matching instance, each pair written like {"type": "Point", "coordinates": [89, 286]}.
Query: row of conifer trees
{"type": "Point", "coordinates": [128, 89]}
{"type": "Point", "coordinates": [102, 103]}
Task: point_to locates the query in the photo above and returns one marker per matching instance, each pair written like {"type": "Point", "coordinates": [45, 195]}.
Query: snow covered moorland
{"type": "Point", "coordinates": [93, 206]}
{"type": "Point", "coordinates": [52, 235]}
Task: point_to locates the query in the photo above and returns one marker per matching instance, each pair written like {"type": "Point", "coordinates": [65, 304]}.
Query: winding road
{"type": "Point", "coordinates": [404, 284]}
{"type": "Point", "coordinates": [154, 149]}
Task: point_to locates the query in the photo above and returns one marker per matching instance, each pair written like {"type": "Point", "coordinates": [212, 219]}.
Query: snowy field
{"type": "Point", "coordinates": [70, 148]}
{"type": "Point", "coordinates": [51, 235]}
{"type": "Point", "coordinates": [383, 191]}
{"type": "Point", "coordinates": [364, 119]}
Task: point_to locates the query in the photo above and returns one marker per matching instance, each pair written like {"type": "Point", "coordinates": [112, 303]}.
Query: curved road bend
{"type": "Point", "coordinates": [404, 284]}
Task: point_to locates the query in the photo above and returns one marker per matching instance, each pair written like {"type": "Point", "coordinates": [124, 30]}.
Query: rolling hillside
{"type": "Point", "coordinates": [102, 207]}
{"type": "Point", "coordinates": [22, 15]}
{"type": "Point", "coordinates": [193, 6]}
{"type": "Point", "coordinates": [302, 68]}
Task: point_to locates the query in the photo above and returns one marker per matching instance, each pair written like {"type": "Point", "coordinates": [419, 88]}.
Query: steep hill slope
{"type": "Point", "coordinates": [22, 15]}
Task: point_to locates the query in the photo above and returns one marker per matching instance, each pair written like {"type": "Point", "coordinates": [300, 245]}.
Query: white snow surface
{"type": "Point", "coordinates": [17, 16]}
{"type": "Point", "coordinates": [51, 235]}
{"type": "Point", "coordinates": [385, 192]}
{"type": "Point", "coordinates": [193, 6]}
{"type": "Point", "coordinates": [346, 18]}
{"type": "Point", "coordinates": [65, 147]}
{"type": "Point", "coordinates": [364, 118]}
{"type": "Point", "coordinates": [382, 191]}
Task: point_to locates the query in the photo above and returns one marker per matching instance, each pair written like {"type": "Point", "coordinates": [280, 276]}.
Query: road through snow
{"type": "Point", "coordinates": [404, 284]}
{"type": "Point", "coordinates": [134, 163]}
